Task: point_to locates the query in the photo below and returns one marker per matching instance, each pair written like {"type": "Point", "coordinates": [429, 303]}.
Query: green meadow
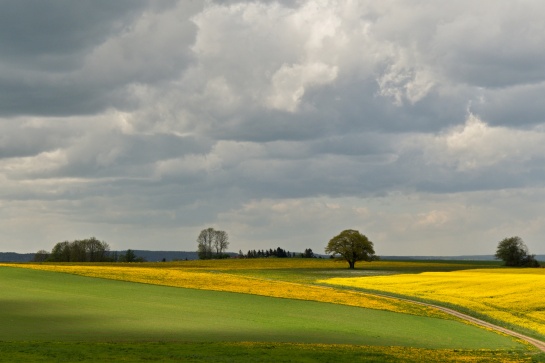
{"type": "Point", "coordinates": [51, 316]}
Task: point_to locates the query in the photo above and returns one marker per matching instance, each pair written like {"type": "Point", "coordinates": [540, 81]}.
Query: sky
{"type": "Point", "coordinates": [420, 124]}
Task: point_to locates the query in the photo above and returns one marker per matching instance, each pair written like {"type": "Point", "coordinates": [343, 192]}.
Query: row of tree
{"type": "Point", "coordinates": [85, 250]}
{"type": "Point", "coordinates": [278, 252]}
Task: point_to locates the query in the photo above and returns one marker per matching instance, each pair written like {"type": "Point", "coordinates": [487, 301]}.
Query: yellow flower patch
{"type": "Point", "coordinates": [511, 295]}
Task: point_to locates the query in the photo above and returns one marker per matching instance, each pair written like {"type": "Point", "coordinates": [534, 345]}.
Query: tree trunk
{"type": "Point", "coordinates": [351, 263]}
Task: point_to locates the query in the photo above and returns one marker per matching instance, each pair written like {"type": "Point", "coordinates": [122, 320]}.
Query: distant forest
{"type": "Point", "coordinates": [278, 252]}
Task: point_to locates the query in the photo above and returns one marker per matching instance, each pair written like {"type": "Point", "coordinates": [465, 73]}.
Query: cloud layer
{"type": "Point", "coordinates": [420, 124]}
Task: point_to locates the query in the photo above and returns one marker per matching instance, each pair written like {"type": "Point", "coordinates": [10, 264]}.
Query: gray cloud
{"type": "Point", "coordinates": [64, 58]}
{"type": "Point", "coordinates": [280, 122]}
{"type": "Point", "coordinates": [42, 34]}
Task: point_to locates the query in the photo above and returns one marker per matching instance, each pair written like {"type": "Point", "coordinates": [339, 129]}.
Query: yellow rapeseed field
{"type": "Point", "coordinates": [218, 280]}
{"type": "Point", "coordinates": [511, 295]}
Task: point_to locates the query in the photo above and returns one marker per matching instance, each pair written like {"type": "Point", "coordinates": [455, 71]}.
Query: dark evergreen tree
{"type": "Point", "coordinates": [308, 253]}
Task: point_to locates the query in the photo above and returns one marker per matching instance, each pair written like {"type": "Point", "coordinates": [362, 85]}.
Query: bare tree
{"type": "Point", "coordinates": [221, 242]}
{"type": "Point", "coordinates": [212, 243]}
{"type": "Point", "coordinates": [205, 241]}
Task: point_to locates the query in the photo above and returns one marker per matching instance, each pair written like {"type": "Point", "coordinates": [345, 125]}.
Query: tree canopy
{"type": "Point", "coordinates": [352, 246]}
{"type": "Point", "coordinates": [513, 252]}
{"type": "Point", "coordinates": [86, 250]}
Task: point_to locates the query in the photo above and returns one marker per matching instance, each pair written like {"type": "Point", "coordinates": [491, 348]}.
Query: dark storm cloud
{"type": "Point", "coordinates": [45, 34]}
{"type": "Point", "coordinates": [48, 49]}
{"type": "Point", "coordinates": [519, 106]}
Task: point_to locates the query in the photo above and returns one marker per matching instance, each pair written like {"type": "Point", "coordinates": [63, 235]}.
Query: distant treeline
{"type": "Point", "coordinates": [157, 256]}
{"type": "Point", "coordinates": [278, 252]}
{"type": "Point", "coordinates": [151, 256]}
{"type": "Point", "coordinates": [93, 250]}
{"type": "Point", "coordinates": [85, 250]}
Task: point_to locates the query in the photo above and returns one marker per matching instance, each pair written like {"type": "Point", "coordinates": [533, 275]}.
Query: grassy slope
{"type": "Point", "coordinates": [46, 306]}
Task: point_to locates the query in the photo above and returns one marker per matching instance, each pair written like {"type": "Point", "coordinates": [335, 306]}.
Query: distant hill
{"type": "Point", "coordinates": [451, 258]}
{"type": "Point", "coordinates": [16, 257]}
{"type": "Point", "coordinates": [154, 256]}
{"type": "Point", "coordinates": [151, 256]}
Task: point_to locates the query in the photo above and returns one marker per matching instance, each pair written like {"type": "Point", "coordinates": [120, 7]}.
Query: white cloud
{"type": "Point", "coordinates": [403, 84]}
{"type": "Point", "coordinates": [476, 145]}
{"type": "Point", "coordinates": [290, 82]}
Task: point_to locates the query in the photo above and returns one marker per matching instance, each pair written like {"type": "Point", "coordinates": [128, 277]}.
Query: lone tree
{"type": "Point", "coordinates": [209, 240]}
{"type": "Point", "coordinates": [514, 252]}
{"type": "Point", "coordinates": [352, 246]}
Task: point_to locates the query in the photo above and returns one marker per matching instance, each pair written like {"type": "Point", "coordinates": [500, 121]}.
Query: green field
{"type": "Point", "coordinates": [53, 316]}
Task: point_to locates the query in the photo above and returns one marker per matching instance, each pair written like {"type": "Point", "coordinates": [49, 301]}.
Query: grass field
{"type": "Point", "coordinates": [50, 315]}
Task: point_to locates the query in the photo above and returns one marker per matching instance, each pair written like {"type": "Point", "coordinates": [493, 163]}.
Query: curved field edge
{"type": "Point", "coordinates": [505, 297]}
{"type": "Point", "coordinates": [224, 281]}
{"type": "Point", "coordinates": [49, 306]}
{"type": "Point", "coordinates": [243, 352]}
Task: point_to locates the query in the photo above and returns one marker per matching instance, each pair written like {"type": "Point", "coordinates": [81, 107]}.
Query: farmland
{"type": "Point", "coordinates": [231, 311]}
{"type": "Point", "coordinates": [508, 296]}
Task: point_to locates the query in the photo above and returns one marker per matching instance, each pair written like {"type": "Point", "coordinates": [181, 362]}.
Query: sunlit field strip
{"type": "Point", "coordinates": [219, 281]}
{"type": "Point", "coordinates": [515, 296]}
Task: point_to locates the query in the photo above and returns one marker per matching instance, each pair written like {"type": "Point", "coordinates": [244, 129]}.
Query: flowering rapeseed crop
{"type": "Point", "coordinates": [198, 278]}
{"type": "Point", "coordinates": [511, 295]}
